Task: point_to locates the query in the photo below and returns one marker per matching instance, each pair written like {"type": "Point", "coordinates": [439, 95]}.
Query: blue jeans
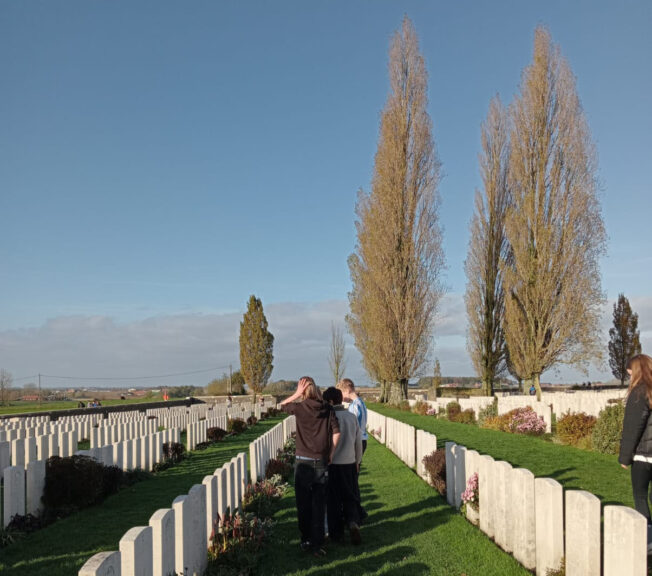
{"type": "Point", "coordinates": [310, 479]}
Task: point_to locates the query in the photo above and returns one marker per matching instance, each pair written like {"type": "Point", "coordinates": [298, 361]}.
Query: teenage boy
{"type": "Point", "coordinates": [359, 410]}
{"type": "Point", "coordinates": [343, 499]}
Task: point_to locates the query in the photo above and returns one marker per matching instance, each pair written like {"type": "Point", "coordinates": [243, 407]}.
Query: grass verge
{"type": "Point", "coordinates": [410, 530]}
{"type": "Point", "coordinates": [62, 548]}
{"type": "Point", "coordinates": [572, 467]}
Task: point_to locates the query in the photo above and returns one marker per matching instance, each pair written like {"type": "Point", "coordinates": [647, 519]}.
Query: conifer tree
{"type": "Point", "coordinates": [256, 347]}
{"type": "Point", "coordinates": [624, 338]}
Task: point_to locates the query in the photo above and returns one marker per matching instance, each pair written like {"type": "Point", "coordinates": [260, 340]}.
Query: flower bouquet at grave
{"type": "Point", "coordinates": [471, 496]}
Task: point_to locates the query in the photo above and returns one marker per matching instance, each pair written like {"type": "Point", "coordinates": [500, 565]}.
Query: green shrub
{"type": "Point", "coordinates": [608, 429]}
{"type": "Point", "coordinates": [465, 417]}
{"type": "Point", "coordinates": [215, 434]}
{"type": "Point", "coordinates": [489, 411]}
{"type": "Point", "coordinates": [420, 408]}
{"type": "Point", "coordinates": [236, 426]}
{"type": "Point", "coordinates": [453, 409]}
{"type": "Point", "coordinates": [173, 451]}
{"type": "Point", "coordinates": [77, 482]}
{"type": "Point", "coordinates": [575, 429]}
{"type": "Point", "coordinates": [435, 465]}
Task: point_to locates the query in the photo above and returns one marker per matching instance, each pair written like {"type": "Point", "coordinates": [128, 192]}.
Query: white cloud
{"type": "Point", "coordinates": [99, 346]}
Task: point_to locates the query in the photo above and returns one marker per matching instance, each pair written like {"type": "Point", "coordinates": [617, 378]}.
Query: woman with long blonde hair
{"type": "Point", "coordinates": [318, 433]}
{"type": "Point", "coordinates": [636, 441]}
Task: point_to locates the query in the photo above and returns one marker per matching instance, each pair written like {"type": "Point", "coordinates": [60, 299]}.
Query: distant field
{"type": "Point", "coordinates": [21, 407]}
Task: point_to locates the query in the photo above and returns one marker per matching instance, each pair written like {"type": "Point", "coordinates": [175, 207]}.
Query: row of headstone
{"type": "Point", "coordinates": [141, 452]}
{"type": "Point", "coordinates": [197, 431]}
{"type": "Point", "coordinates": [22, 490]}
{"type": "Point", "coordinates": [24, 479]}
{"type": "Point", "coordinates": [177, 538]}
{"type": "Point", "coordinates": [400, 438]}
{"type": "Point", "coordinates": [533, 518]}
{"type": "Point", "coordinates": [21, 451]}
{"type": "Point", "coordinates": [540, 523]}
{"type": "Point", "coordinates": [267, 446]}
{"type": "Point", "coordinates": [558, 403]}
{"type": "Point", "coordinates": [505, 404]}
{"type": "Point", "coordinates": [111, 433]}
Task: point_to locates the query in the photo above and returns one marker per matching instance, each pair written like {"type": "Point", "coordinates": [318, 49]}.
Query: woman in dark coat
{"type": "Point", "coordinates": [636, 441]}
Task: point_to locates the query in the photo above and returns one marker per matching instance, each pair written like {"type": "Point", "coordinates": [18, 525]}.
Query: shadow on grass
{"type": "Point", "coordinates": [414, 569]}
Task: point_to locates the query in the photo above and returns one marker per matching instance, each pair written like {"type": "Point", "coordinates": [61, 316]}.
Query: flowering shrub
{"type": "Point", "coordinates": [518, 421]}
{"type": "Point", "coordinates": [471, 496]}
{"type": "Point", "coordinates": [236, 541]}
{"type": "Point", "coordinates": [278, 467]}
{"type": "Point", "coordinates": [260, 498]}
{"type": "Point", "coordinates": [420, 408]}
{"type": "Point", "coordinates": [288, 452]}
{"type": "Point", "coordinates": [526, 421]}
{"type": "Point", "coordinates": [377, 432]}
{"type": "Point", "coordinates": [431, 412]}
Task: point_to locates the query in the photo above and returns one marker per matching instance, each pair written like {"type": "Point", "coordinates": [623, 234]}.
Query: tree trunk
{"type": "Point", "coordinates": [404, 388]}
{"type": "Point", "coordinates": [384, 397]}
{"type": "Point", "coordinates": [537, 386]}
{"type": "Point", "coordinates": [487, 387]}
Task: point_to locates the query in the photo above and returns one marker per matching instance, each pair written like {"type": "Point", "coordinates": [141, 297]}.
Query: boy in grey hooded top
{"type": "Point", "coordinates": [342, 499]}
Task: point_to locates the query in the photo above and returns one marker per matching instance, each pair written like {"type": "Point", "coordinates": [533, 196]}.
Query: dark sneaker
{"type": "Point", "coordinates": [318, 552]}
{"type": "Point", "coordinates": [354, 529]}
{"type": "Point", "coordinates": [305, 546]}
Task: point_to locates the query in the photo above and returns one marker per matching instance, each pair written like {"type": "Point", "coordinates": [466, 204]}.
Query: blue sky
{"type": "Point", "coordinates": [161, 161]}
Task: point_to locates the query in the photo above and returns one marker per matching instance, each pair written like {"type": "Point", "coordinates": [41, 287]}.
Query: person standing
{"type": "Point", "coordinates": [636, 440]}
{"type": "Point", "coordinates": [318, 434]}
{"type": "Point", "coordinates": [357, 406]}
{"type": "Point", "coordinates": [343, 499]}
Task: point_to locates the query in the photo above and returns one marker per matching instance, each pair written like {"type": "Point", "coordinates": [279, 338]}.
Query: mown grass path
{"type": "Point", "coordinates": [573, 468]}
{"type": "Point", "coordinates": [62, 548]}
{"type": "Point", "coordinates": [410, 530]}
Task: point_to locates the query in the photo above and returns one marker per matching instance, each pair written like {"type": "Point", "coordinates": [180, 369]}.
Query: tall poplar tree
{"type": "Point", "coordinates": [484, 298]}
{"type": "Point", "coordinates": [256, 347]}
{"type": "Point", "coordinates": [396, 268]}
{"type": "Point", "coordinates": [624, 338]}
{"type": "Point", "coordinates": [554, 226]}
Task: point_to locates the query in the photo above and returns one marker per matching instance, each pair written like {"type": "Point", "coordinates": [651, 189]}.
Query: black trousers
{"type": "Point", "coordinates": [310, 479]}
{"type": "Point", "coordinates": [343, 498]}
{"type": "Point", "coordinates": [641, 479]}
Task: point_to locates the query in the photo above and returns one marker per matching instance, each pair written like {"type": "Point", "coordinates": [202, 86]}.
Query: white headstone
{"type": "Point", "coordinates": [102, 564]}
{"type": "Point", "coordinates": [136, 552]}
{"type": "Point", "coordinates": [625, 542]}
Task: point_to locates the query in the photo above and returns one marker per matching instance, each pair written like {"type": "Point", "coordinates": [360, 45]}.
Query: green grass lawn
{"type": "Point", "coordinates": [573, 468]}
{"type": "Point", "coordinates": [19, 407]}
{"type": "Point", "coordinates": [62, 548]}
{"type": "Point", "coordinates": [410, 530]}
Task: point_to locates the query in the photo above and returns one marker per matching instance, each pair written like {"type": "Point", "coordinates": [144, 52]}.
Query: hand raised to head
{"type": "Point", "coordinates": [302, 385]}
